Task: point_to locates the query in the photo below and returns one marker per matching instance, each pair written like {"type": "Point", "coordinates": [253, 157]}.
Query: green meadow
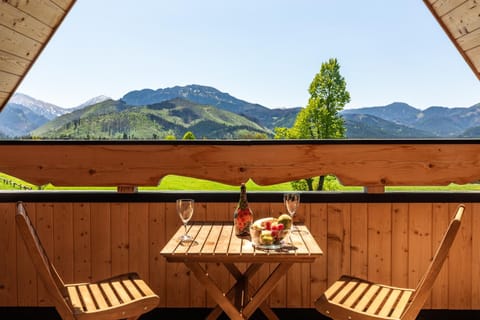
{"type": "Point", "coordinates": [172, 183]}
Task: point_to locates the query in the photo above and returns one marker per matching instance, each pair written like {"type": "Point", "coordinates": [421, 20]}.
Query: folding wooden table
{"type": "Point", "coordinates": [215, 242]}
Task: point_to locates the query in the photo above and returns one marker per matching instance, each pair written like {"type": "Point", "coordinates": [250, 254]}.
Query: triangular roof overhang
{"type": "Point", "coordinates": [460, 19]}
{"type": "Point", "coordinates": [27, 26]}
{"type": "Point", "coordinates": [25, 29]}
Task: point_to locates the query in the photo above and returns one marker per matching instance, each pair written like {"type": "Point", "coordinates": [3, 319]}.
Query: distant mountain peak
{"type": "Point", "coordinates": [194, 92]}
{"type": "Point", "coordinates": [205, 95]}
{"type": "Point", "coordinates": [43, 108]}
{"type": "Point", "coordinates": [23, 113]}
{"type": "Point", "coordinates": [92, 101]}
{"type": "Point", "coordinates": [396, 112]}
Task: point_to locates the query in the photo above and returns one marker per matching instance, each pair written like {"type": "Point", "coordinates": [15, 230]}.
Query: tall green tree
{"type": "Point", "coordinates": [321, 118]}
{"type": "Point", "coordinates": [188, 136]}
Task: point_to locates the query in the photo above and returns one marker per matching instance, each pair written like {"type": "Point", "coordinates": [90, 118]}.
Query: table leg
{"type": "Point", "coordinates": [243, 286]}
{"type": "Point", "coordinates": [214, 291]}
{"type": "Point", "coordinates": [240, 286]}
{"type": "Point", "coordinates": [249, 288]}
{"type": "Point", "coordinates": [266, 288]}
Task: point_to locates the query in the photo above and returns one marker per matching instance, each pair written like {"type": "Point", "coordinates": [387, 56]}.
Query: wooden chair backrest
{"type": "Point", "coordinates": [45, 269]}
{"type": "Point", "coordinates": [425, 285]}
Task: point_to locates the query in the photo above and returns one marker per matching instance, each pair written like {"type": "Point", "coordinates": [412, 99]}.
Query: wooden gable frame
{"type": "Point", "coordinates": [460, 19]}
{"type": "Point", "coordinates": [25, 29]}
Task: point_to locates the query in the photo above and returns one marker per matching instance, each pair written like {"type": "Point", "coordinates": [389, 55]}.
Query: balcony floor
{"type": "Point", "coordinates": [48, 313]}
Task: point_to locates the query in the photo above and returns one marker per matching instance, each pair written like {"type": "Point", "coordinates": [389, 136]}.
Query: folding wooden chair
{"type": "Point", "coordinates": [124, 296]}
{"type": "Point", "coordinates": [357, 299]}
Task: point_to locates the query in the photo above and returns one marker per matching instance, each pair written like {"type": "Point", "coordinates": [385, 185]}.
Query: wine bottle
{"type": "Point", "coordinates": [243, 215]}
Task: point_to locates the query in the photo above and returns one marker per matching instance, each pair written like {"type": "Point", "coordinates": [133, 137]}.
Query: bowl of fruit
{"type": "Point", "coordinates": [269, 233]}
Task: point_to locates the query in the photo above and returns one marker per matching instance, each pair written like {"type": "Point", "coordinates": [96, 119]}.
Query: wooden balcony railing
{"type": "Point", "coordinates": [367, 163]}
{"type": "Point", "coordinates": [386, 237]}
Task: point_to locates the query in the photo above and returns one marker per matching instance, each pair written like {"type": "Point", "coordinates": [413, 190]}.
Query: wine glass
{"type": "Point", "coordinates": [185, 212]}
{"type": "Point", "coordinates": [292, 201]}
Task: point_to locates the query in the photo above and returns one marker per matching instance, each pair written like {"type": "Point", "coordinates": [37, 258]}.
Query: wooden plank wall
{"type": "Point", "coordinates": [389, 242]}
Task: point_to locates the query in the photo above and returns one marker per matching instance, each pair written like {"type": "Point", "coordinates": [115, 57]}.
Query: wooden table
{"type": "Point", "coordinates": [217, 243]}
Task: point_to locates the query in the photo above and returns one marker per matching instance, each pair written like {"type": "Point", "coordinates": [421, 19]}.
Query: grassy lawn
{"type": "Point", "coordinates": [170, 182]}
{"type": "Point", "coordinates": [173, 182]}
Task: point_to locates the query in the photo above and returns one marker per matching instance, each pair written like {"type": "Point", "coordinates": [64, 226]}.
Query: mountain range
{"type": "Point", "coordinates": [269, 118]}
{"type": "Point", "coordinates": [115, 119]}
{"type": "Point", "coordinates": [400, 120]}
{"type": "Point", "coordinates": [23, 114]}
{"type": "Point", "coordinates": [212, 114]}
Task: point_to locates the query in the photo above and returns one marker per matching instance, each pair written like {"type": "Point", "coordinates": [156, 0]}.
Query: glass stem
{"type": "Point", "coordinates": [185, 225]}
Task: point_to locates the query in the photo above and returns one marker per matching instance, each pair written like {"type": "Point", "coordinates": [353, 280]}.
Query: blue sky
{"type": "Point", "coordinates": [261, 51]}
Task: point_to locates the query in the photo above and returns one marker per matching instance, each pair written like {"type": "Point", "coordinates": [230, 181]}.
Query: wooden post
{"type": "Point", "coordinates": [127, 189]}
{"type": "Point", "coordinates": [374, 189]}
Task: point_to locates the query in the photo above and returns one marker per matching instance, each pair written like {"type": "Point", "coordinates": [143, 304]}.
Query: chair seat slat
{"type": "Point", "coordinates": [110, 294]}
{"type": "Point", "coordinates": [87, 299]}
{"type": "Point", "coordinates": [74, 298]}
{"type": "Point", "coordinates": [345, 292]}
{"type": "Point", "coordinates": [388, 306]}
{"type": "Point", "coordinates": [333, 289]}
{"type": "Point", "coordinates": [356, 294]}
{"type": "Point", "coordinates": [378, 300]}
{"type": "Point", "coordinates": [98, 296]}
{"type": "Point", "coordinates": [120, 291]}
{"type": "Point", "coordinates": [402, 303]}
{"type": "Point", "coordinates": [142, 286]}
{"type": "Point", "coordinates": [132, 289]}
{"type": "Point", "coordinates": [369, 295]}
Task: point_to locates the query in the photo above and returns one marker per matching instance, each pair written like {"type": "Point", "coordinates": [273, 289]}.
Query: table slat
{"type": "Point", "coordinates": [235, 247]}
{"type": "Point", "coordinates": [310, 241]}
{"type": "Point", "coordinates": [224, 240]}
{"type": "Point", "coordinates": [200, 240]}
{"type": "Point", "coordinates": [172, 244]}
{"type": "Point", "coordinates": [297, 242]}
{"type": "Point", "coordinates": [183, 248]}
{"type": "Point", "coordinates": [212, 239]}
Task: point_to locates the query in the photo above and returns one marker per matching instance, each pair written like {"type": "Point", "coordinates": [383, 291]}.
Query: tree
{"type": "Point", "coordinates": [321, 118]}
{"type": "Point", "coordinates": [188, 136]}
{"type": "Point", "coordinates": [328, 96]}
{"type": "Point", "coordinates": [244, 134]}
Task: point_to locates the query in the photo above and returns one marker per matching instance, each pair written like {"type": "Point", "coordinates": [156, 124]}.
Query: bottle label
{"type": "Point", "coordinates": [243, 219]}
